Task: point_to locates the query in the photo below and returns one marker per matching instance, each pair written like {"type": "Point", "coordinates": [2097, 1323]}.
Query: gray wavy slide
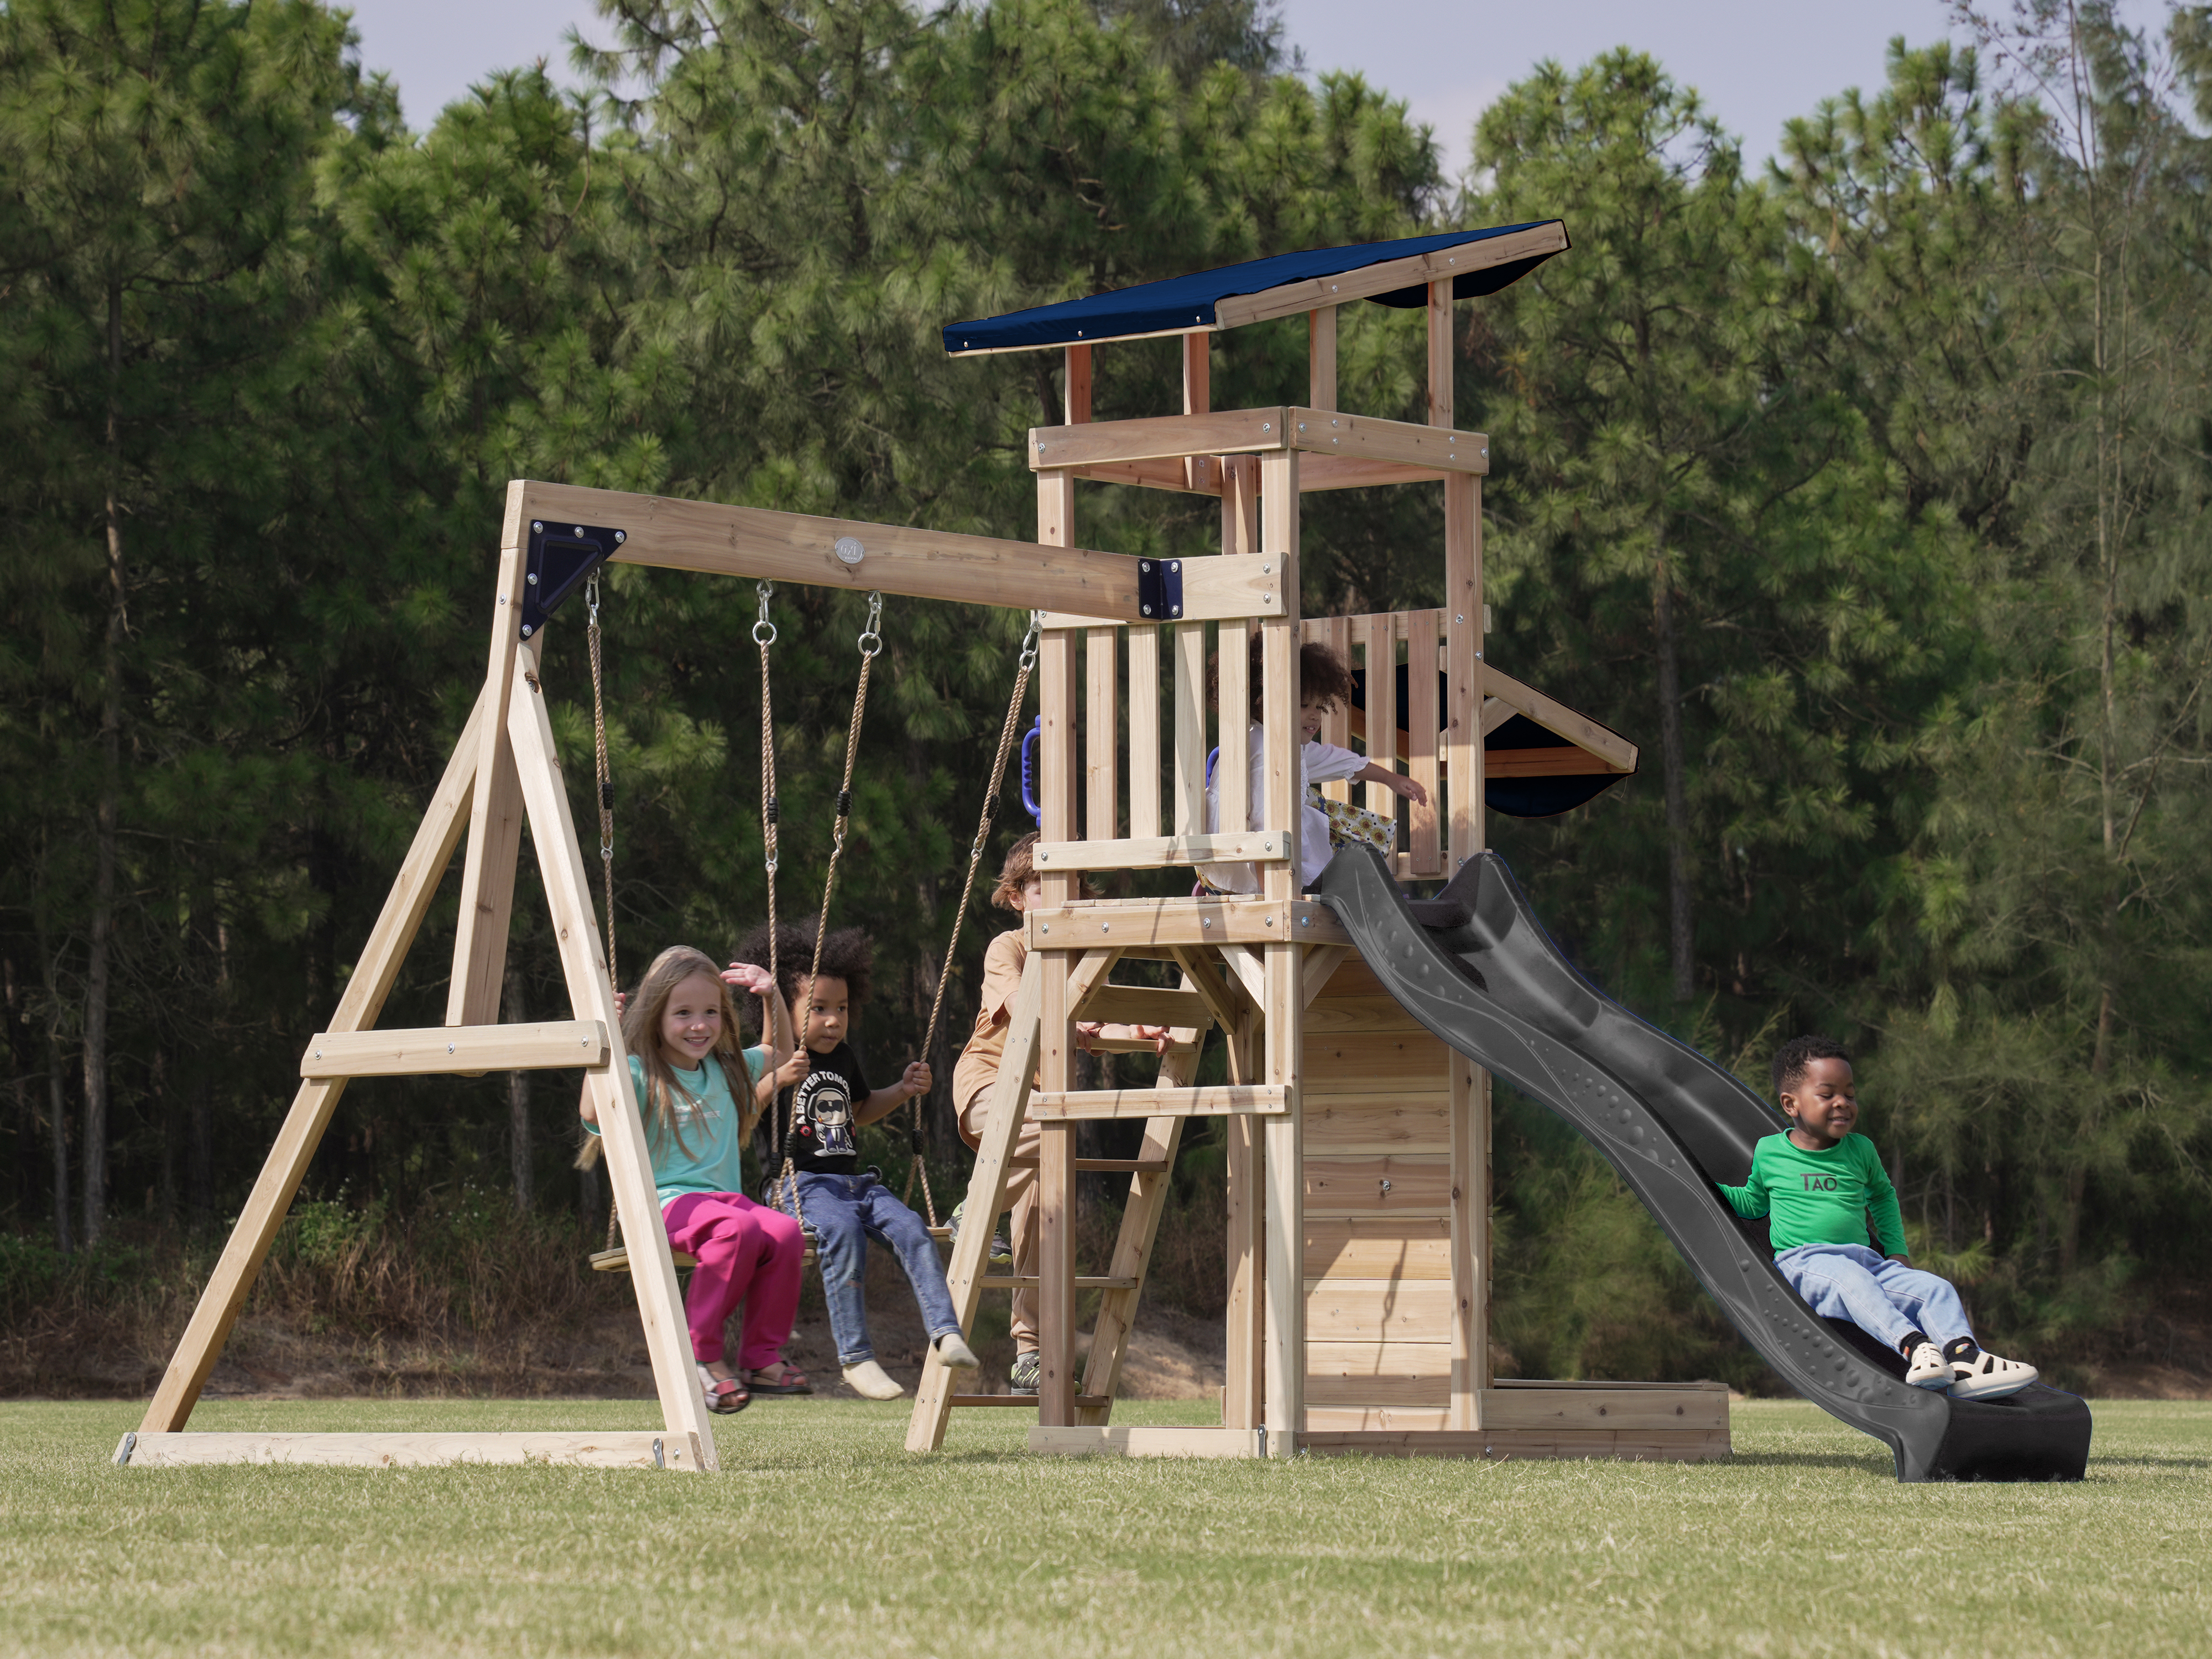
{"type": "Point", "coordinates": [1477, 969]}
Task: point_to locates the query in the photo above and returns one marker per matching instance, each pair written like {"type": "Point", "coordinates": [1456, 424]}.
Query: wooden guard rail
{"type": "Point", "coordinates": [1143, 766]}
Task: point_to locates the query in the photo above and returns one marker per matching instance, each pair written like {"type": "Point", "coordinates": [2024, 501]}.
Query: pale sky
{"type": "Point", "coordinates": [1756, 62]}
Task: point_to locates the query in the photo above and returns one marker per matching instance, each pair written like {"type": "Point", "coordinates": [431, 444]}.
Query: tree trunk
{"type": "Point", "coordinates": [58, 1116]}
{"type": "Point", "coordinates": [518, 1103]}
{"type": "Point", "coordinates": [200, 1160]}
{"type": "Point", "coordinates": [166, 1192]}
{"type": "Point", "coordinates": [104, 818]}
{"type": "Point", "coordinates": [1681, 933]}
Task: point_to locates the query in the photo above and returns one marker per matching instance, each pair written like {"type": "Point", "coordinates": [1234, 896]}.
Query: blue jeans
{"type": "Point", "coordinates": [846, 1212]}
{"type": "Point", "coordinates": [1886, 1298]}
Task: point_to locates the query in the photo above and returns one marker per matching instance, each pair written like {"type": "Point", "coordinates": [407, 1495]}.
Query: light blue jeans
{"type": "Point", "coordinates": [1886, 1298]}
{"type": "Point", "coordinates": [846, 1212]}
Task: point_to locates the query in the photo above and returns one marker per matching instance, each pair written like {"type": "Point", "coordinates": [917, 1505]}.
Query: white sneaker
{"type": "Point", "coordinates": [956, 1354]}
{"type": "Point", "coordinates": [1985, 1376]}
{"type": "Point", "coordinates": [1928, 1368]}
{"type": "Point", "coordinates": [871, 1382]}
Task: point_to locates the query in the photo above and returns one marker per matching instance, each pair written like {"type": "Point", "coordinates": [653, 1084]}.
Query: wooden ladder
{"type": "Point", "coordinates": [1084, 992]}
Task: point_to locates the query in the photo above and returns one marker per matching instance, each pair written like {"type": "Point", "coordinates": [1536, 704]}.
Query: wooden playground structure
{"type": "Point", "coordinates": [1358, 1146]}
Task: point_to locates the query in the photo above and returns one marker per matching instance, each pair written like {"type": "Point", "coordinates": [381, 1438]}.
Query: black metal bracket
{"type": "Point", "coordinates": [560, 556]}
{"type": "Point", "coordinates": [1159, 589]}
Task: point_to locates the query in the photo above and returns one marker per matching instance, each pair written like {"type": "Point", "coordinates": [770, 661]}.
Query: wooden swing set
{"type": "Point", "coordinates": [1358, 1145]}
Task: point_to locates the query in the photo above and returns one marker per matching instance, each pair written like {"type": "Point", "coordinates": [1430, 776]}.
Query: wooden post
{"type": "Point", "coordinates": [1190, 728]}
{"type": "Point", "coordinates": [1463, 767]}
{"type": "Point", "coordinates": [1144, 730]}
{"type": "Point", "coordinates": [1198, 399]}
{"type": "Point", "coordinates": [444, 823]}
{"type": "Point", "coordinates": [1440, 352]}
{"type": "Point", "coordinates": [1055, 1204]}
{"type": "Point", "coordinates": [1244, 1396]}
{"type": "Point", "coordinates": [1245, 1399]}
{"type": "Point", "coordinates": [1423, 721]}
{"type": "Point", "coordinates": [1382, 642]}
{"type": "Point", "coordinates": [495, 819]}
{"type": "Point", "coordinates": [1101, 734]}
{"type": "Point", "coordinates": [1056, 798]}
{"type": "Point", "coordinates": [1321, 357]}
{"type": "Point", "coordinates": [1076, 393]}
{"type": "Point", "coordinates": [986, 1191]}
{"type": "Point", "coordinates": [622, 1130]}
{"type": "Point", "coordinates": [1197, 372]}
{"type": "Point", "coordinates": [1284, 1014]}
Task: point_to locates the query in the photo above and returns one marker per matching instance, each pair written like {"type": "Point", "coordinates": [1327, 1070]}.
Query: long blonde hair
{"type": "Point", "coordinates": [641, 1036]}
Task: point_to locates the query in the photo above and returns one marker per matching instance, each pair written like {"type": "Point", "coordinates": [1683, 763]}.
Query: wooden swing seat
{"type": "Point", "coordinates": [617, 1260]}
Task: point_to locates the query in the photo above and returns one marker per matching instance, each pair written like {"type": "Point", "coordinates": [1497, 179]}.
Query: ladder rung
{"type": "Point", "coordinates": [1025, 1281]}
{"type": "Point", "coordinates": [1103, 1165]}
{"type": "Point", "coordinates": [1143, 1004]}
{"type": "Point", "coordinates": [1085, 1400]}
{"type": "Point", "coordinates": [1214, 1100]}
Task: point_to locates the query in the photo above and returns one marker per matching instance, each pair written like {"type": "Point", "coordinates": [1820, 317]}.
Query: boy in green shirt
{"type": "Point", "coordinates": [1820, 1181]}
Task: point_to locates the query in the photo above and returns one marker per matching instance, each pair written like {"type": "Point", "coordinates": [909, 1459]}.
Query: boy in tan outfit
{"type": "Point", "coordinates": [1018, 888]}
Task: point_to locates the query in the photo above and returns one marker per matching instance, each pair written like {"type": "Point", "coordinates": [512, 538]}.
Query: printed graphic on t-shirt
{"type": "Point", "coordinates": [825, 1114]}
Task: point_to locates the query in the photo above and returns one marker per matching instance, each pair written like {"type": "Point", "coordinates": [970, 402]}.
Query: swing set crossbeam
{"type": "Point", "coordinates": [759, 543]}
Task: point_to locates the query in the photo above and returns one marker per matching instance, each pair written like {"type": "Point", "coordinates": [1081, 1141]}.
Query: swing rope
{"type": "Point", "coordinates": [603, 776]}
{"type": "Point", "coordinates": [871, 645]}
{"type": "Point", "coordinates": [764, 637]}
{"type": "Point", "coordinates": [1028, 656]}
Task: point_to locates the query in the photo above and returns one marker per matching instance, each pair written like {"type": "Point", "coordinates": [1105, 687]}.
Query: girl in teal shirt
{"type": "Point", "coordinates": [696, 1091]}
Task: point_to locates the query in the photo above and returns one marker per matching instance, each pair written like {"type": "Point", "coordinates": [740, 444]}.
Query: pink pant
{"type": "Point", "coordinates": [747, 1252]}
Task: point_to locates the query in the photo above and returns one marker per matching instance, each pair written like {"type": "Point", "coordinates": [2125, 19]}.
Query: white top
{"type": "Point", "coordinates": [1318, 763]}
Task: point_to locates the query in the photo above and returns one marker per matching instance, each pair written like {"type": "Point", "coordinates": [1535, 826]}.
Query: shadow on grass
{"type": "Point", "coordinates": [1872, 1462]}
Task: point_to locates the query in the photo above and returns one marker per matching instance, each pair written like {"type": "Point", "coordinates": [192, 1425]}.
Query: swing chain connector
{"type": "Point", "coordinates": [764, 630]}
{"type": "Point", "coordinates": [871, 642]}
{"type": "Point", "coordinates": [1029, 640]}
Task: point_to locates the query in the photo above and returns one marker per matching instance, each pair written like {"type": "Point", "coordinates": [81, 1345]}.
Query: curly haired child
{"type": "Point", "coordinates": [820, 1115]}
{"type": "Point", "coordinates": [1820, 1181]}
{"type": "Point", "coordinates": [1324, 683]}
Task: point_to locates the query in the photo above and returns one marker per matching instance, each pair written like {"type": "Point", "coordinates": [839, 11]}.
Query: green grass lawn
{"type": "Point", "coordinates": [823, 1537]}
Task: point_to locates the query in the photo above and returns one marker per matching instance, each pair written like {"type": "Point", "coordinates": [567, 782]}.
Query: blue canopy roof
{"type": "Point", "coordinates": [1189, 302]}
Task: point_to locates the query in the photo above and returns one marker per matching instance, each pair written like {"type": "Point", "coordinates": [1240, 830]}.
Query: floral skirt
{"type": "Point", "coordinates": [1348, 823]}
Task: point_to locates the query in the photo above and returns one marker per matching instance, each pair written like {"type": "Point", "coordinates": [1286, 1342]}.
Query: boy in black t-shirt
{"type": "Point", "coordinates": [819, 1117]}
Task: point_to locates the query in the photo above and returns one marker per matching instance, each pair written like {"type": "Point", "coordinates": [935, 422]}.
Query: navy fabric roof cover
{"type": "Point", "coordinates": [1181, 302]}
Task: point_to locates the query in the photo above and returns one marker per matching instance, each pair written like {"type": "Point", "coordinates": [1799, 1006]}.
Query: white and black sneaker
{"type": "Point", "coordinates": [1000, 1254]}
{"type": "Point", "coordinates": [1028, 1371]}
{"type": "Point", "coordinates": [1979, 1376]}
{"type": "Point", "coordinates": [1926, 1368]}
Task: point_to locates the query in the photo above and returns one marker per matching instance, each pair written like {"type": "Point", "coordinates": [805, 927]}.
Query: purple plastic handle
{"type": "Point", "coordinates": [1029, 772]}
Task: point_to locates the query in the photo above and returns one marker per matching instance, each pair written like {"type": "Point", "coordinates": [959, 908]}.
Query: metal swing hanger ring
{"type": "Point", "coordinates": [1029, 640]}
{"type": "Point", "coordinates": [591, 596]}
{"type": "Point", "coordinates": [764, 630]}
{"type": "Point", "coordinates": [871, 640]}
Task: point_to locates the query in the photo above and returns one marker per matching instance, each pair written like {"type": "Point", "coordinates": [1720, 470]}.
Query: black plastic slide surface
{"type": "Point", "coordinates": [1672, 1123]}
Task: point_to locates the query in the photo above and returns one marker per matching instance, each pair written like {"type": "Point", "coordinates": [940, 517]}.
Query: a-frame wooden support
{"type": "Point", "coordinates": [504, 769]}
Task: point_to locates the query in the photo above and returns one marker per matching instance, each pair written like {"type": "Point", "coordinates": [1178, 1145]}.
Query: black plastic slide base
{"type": "Point", "coordinates": [1671, 1122]}
{"type": "Point", "coordinates": [2038, 1434]}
